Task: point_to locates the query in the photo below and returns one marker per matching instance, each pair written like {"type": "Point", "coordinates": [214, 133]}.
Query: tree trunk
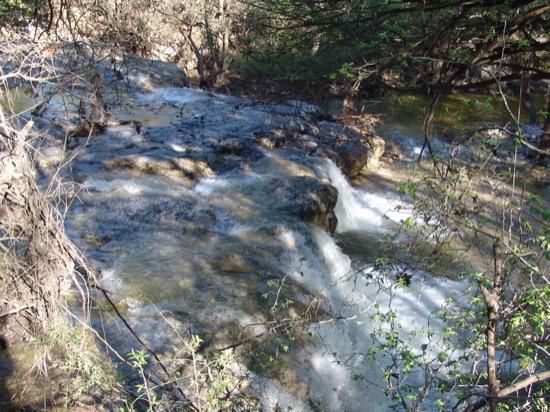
{"type": "Point", "coordinates": [40, 257]}
{"type": "Point", "coordinates": [199, 57]}
{"type": "Point", "coordinates": [527, 93]}
{"type": "Point", "coordinates": [545, 138]}
{"type": "Point", "coordinates": [528, 103]}
{"type": "Point", "coordinates": [492, 301]}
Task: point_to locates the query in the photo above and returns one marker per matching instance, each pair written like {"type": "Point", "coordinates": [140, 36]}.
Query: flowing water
{"type": "Point", "coordinates": [177, 257]}
{"type": "Point", "coordinates": [203, 258]}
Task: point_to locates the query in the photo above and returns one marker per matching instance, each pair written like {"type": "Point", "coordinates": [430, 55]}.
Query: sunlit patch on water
{"type": "Point", "coordinates": [175, 95]}
{"type": "Point", "coordinates": [176, 147]}
{"type": "Point", "coordinates": [132, 187]}
{"type": "Point", "coordinates": [142, 185]}
{"type": "Point", "coordinates": [18, 100]}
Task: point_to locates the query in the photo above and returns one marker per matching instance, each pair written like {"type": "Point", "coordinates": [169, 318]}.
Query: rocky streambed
{"type": "Point", "coordinates": [190, 206]}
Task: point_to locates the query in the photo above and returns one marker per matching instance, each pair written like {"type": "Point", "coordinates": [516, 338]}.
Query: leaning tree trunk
{"type": "Point", "coordinates": [526, 86]}
{"type": "Point", "coordinates": [36, 258]}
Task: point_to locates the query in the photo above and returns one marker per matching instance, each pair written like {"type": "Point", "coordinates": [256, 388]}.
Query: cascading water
{"type": "Point", "coordinates": [205, 255]}
{"type": "Point", "coordinates": [359, 210]}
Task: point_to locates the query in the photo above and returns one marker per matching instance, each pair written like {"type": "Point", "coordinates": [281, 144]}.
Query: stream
{"type": "Point", "coordinates": [210, 216]}
{"type": "Point", "coordinates": [212, 280]}
{"type": "Point", "coordinates": [224, 254]}
{"type": "Point", "coordinates": [203, 259]}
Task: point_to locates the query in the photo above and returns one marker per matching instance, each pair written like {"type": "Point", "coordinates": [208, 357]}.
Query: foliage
{"type": "Point", "coordinates": [21, 13]}
{"type": "Point", "coordinates": [399, 45]}
{"type": "Point", "coordinates": [405, 45]}
{"type": "Point", "coordinates": [197, 381]}
{"type": "Point", "coordinates": [474, 218]}
{"type": "Point", "coordinates": [415, 363]}
{"type": "Point", "coordinates": [89, 372]}
{"type": "Point", "coordinates": [39, 263]}
{"type": "Point", "coordinates": [195, 33]}
{"type": "Point", "coordinates": [39, 258]}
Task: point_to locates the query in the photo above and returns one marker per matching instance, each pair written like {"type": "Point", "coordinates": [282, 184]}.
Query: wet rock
{"type": "Point", "coordinates": [194, 168]}
{"type": "Point", "coordinates": [307, 198]}
{"type": "Point", "coordinates": [232, 145]}
{"type": "Point", "coordinates": [162, 128]}
{"type": "Point", "coordinates": [147, 75]}
{"type": "Point", "coordinates": [378, 148]}
{"type": "Point", "coordinates": [350, 149]}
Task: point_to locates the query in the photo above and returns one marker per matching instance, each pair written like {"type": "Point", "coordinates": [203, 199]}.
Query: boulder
{"type": "Point", "coordinates": [350, 149]}
{"type": "Point", "coordinates": [307, 198]}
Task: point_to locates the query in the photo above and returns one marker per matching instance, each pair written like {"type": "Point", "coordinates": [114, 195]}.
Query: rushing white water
{"type": "Point", "coordinates": [174, 95]}
{"type": "Point", "coordinates": [218, 273]}
{"type": "Point", "coordinates": [205, 256]}
{"type": "Point", "coordinates": [358, 210]}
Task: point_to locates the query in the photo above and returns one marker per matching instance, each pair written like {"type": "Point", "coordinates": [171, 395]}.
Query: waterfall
{"type": "Point", "coordinates": [203, 256]}
{"type": "Point", "coordinates": [359, 210]}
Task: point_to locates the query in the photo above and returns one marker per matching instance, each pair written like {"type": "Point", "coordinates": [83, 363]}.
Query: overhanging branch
{"type": "Point", "coordinates": [516, 387]}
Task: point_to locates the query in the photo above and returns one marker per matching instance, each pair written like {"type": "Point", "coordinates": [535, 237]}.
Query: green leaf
{"type": "Point", "coordinates": [408, 223]}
